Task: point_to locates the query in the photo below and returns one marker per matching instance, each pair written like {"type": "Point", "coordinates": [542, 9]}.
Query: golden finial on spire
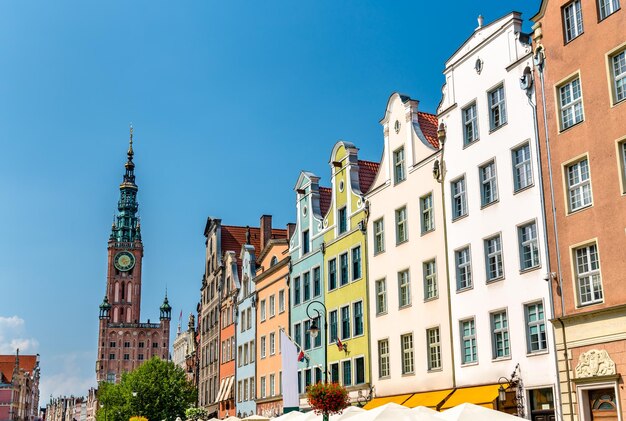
{"type": "Point", "coordinates": [130, 144]}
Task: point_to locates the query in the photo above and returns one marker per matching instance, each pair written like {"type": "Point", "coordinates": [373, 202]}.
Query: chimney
{"type": "Point", "coordinates": [266, 230]}
{"type": "Point", "coordinates": [291, 228]}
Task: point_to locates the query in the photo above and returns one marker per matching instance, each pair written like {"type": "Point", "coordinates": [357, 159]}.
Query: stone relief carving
{"type": "Point", "coordinates": [595, 362]}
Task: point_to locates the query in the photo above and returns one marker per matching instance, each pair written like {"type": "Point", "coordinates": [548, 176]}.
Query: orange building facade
{"type": "Point", "coordinates": [580, 55]}
{"type": "Point", "coordinates": [272, 315]}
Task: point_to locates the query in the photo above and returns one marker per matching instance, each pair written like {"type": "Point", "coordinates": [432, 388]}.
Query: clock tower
{"type": "Point", "coordinates": [124, 342]}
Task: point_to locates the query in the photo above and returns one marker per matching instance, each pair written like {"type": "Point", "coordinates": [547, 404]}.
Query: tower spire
{"type": "Point", "coordinates": [126, 225]}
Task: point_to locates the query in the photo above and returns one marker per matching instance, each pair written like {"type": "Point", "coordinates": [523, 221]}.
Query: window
{"type": "Point", "coordinates": [470, 124]}
{"type": "Point", "coordinates": [356, 263]}
{"type": "Point", "coordinates": [297, 334]}
{"type": "Point", "coordinates": [126, 344]}
{"type": "Point", "coordinates": [579, 185]}
{"type": "Point", "coordinates": [281, 300]}
{"type": "Point", "coordinates": [500, 335]}
{"type": "Point", "coordinates": [488, 183]}
{"type": "Point", "coordinates": [334, 372]}
{"type": "Point", "coordinates": [497, 108]}
{"type": "Point", "coordinates": [318, 375]}
{"type": "Point", "coordinates": [307, 286]}
{"type": "Point", "coordinates": [318, 338]}
{"type": "Point", "coordinates": [140, 357]}
{"type": "Point", "coordinates": [570, 103]}
{"type": "Point", "coordinates": [262, 310]}
{"type": "Point", "coordinates": [343, 220]}
{"type": "Point", "coordinates": [346, 367]}
{"type": "Point", "coordinates": [299, 381]}
{"type": "Point", "coordinates": [307, 377]}
{"type": "Point", "coordinates": [427, 215]}
{"type": "Point", "coordinates": [398, 166]}
{"type": "Point", "coordinates": [618, 68]}
{"type": "Point", "coordinates": [588, 274]}
{"type": "Point", "coordinates": [263, 387]}
{"type": "Point", "coordinates": [535, 327]}
{"type": "Point", "coordinates": [522, 170]}
{"type": "Point", "coordinates": [430, 280]}
{"type": "Point", "coordinates": [305, 242]}
{"type": "Point", "coordinates": [345, 322]}
{"type": "Point", "coordinates": [317, 282]}
{"type": "Point", "coordinates": [379, 236]}
{"type": "Point", "coordinates": [434, 348]}
{"type": "Point", "coordinates": [111, 356]}
{"type": "Point", "coordinates": [572, 20]}
{"type": "Point", "coordinates": [381, 296]}
{"type": "Point", "coordinates": [463, 269]}
{"type": "Point", "coordinates": [272, 305]}
{"type": "Point", "coordinates": [296, 291]}
{"type": "Point", "coordinates": [493, 258]}
{"type": "Point", "coordinates": [383, 358]}
{"type": "Point", "coordinates": [141, 344]}
{"type": "Point", "coordinates": [112, 344]}
{"type": "Point", "coordinates": [407, 353]}
{"type": "Point", "coordinates": [252, 351]}
{"type": "Point", "coordinates": [263, 346]}
{"type": "Point", "coordinates": [359, 370]}
{"type": "Point", "coordinates": [404, 289]}
{"type": "Point", "coordinates": [307, 336]}
{"type": "Point", "coordinates": [401, 233]}
{"type": "Point", "coordinates": [528, 246]}
{"type": "Point", "coordinates": [272, 343]}
{"type": "Point", "coordinates": [332, 274]}
{"type": "Point", "coordinates": [468, 342]}
{"type": "Point", "coordinates": [622, 154]}
{"type": "Point", "coordinates": [333, 326]}
{"type": "Point", "coordinates": [357, 314]}
{"type": "Point", "coordinates": [343, 269]}
{"type": "Point", "coordinates": [607, 7]}
{"type": "Point", "coordinates": [459, 200]}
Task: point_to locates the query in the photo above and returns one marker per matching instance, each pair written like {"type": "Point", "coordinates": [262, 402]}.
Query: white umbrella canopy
{"type": "Point", "coordinates": [255, 418]}
{"type": "Point", "coordinates": [232, 418]}
{"type": "Point", "coordinates": [289, 416]}
{"type": "Point", "coordinates": [469, 412]}
{"type": "Point", "coordinates": [392, 412]}
{"type": "Point", "coordinates": [424, 411]}
{"type": "Point", "coordinates": [347, 413]}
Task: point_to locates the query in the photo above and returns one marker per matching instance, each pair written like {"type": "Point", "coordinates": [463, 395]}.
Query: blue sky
{"type": "Point", "coordinates": [230, 100]}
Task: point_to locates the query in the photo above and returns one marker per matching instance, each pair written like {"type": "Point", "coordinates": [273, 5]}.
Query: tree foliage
{"type": "Point", "coordinates": [196, 414]}
{"type": "Point", "coordinates": [157, 390]}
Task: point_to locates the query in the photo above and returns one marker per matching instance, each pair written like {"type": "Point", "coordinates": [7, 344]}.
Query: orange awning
{"type": "Point", "coordinates": [478, 395]}
{"type": "Point", "coordinates": [376, 402]}
{"type": "Point", "coordinates": [429, 399]}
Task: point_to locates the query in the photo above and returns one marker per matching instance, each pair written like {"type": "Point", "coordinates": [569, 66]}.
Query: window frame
{"type": "Point", "coordinates": [401, 224]}
{"type": "Point", "coordinates": [430, 277]}
{"type": "Point", "coordinates": [488, 179]}
{"type": "Point", "coordinates": [466, 264]}
{"type": "Point", "coordinates": [384, 363]}
{"type": "Point", "coordinates": [589, 274]}
{"type": "Point", "coordinates": [427, 215]}
{"type": "Point", "coordinates": [522, 170]}
{"type": "Point", "coordinates": [333, 326]}
{"type": "Point", "coordinates": [358, 320]}
{"type": "Point", "coordinates": [500, 334]}
{"type": "Point", "coordinates": [379, 236]}
{"type": "Point", "coordinates": [471, 121]}
{"type": "Point", "coordinates": [342, 220]}
{"type": "Point", "coordinates": [404, 287]}
{"type": "Point", "coordinates": [332, 274]}
{"type": "Point", "coordinates": [341, 269]}
{"type": "Point", "coordinates": [572, 104]}
{"type": "Point", "coordinates": [499, 107]}
{"type": "Point", "coordinates": [399, 166]}
{"type": "Point", "coordinates": [355, 274]}
{"type": "Point", "coordinates": [343, 322]}
{"type": "Point", "coordinates": [471, 337]}
{"type": "Point", "coordinates": [306, 242]}
{"type": "Point", "coordinates": [407, 354]}
{"type": "Point", "coordinates": [434, 363]}
{"type": "Point", "coordinates": [531, 242]}
{"type": "Point", "coordinates": [599, 7]}
{"type": "Point", "coordinates": [538, 323]}
{"type": "Point", "coordinates": [460, 196]}
{"type": "Point", "coordinates": [496, 254]}
{"type": "Point", "coordinates": [579, 21]}
{"type": "Point", "coordinates": [579, 186]}
{"type": "Point", "coordinates": [614, 77]}
{"type": "Point", "coordinates": [381, 294]}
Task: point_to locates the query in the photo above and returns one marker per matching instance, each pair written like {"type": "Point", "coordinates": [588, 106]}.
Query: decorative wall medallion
{"type": "Point", "coordinates": [595, 362]}
{"type": "Point", "coordinates": [341, 185]}
{"type": "Point", "coordinates": [304, 211]}
{"type": "Point", "coordinates": [396, 126]}
{"type": "Point", "coordinates": [478, 66]}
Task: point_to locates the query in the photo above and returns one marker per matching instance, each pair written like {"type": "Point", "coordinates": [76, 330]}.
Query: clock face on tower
{"type": "Point", "coordinates": [124, 261]}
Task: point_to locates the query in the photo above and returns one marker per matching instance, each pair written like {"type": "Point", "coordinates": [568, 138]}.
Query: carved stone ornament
{"type": "Point", "coordinates": [595, 362]}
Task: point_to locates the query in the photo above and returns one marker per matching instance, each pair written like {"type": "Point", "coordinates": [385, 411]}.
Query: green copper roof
{"type": "Point", "coordinates": [126, 227]}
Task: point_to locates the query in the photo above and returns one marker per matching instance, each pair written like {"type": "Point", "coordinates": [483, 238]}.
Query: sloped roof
{"type": "Point", "coordinates": [7, 363]}
{"type": "Point", "coordinates": [325, 199]}
{"type": "Point", "coordinates": [428, 123]}
{"type": "Point", "coordinates": [367, 174]}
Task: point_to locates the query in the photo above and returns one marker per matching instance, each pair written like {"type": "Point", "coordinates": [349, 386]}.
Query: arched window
{"type": "Point", "coordinates": [115, 315]}
{"type": "Point", "coordinates": [273, 261]}
{"type": "Point", "coordinates": [129, 292]}
{"type": "Point", "coordinates": [117, 291]}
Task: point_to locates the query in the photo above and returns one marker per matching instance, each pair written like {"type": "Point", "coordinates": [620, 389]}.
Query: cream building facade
{"type": "Point", "coordinates": [500, 300]}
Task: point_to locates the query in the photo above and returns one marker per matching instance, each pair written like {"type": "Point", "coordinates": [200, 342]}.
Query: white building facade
{"type": "Point", "coordinates": [409, 319]}
{"type": "Point", "coordinates": [500, 300]}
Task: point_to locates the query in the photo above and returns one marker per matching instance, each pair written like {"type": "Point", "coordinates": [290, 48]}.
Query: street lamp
{"type": "Point", "coordinates": [314, 330]}
{"type": "Point", "coordinates": [514, 382]}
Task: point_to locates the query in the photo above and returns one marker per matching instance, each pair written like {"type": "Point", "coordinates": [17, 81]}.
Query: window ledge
{"type": "Point", "coordinates": [523, 189]}
{"type": "Point", "coordinates": [575, 38]}
{"type": "Point", "coordinates": [563, 130]}
{"type": "Point", "coordinates": [465, 215]}
{"type": "Point", "coordinates": [384, 378]}
{"type": "Point", "coordinates": [498, 359]}
{"type": "Point", "coordinates": [486, 205]}
{"type": "Point", "coordinates": [408, 374]}
{"type": "Point", "coordinates": [435, 370]}
{"type": "Point", "coordinates": [473, 142]}
{"type": "Point", "coordinates": [402, 242]}
{"type": "Point", "coordinates": [530, 269]}
{"type": "Point", "coordinates": [583, 208]}
{"type": "Point", "coordinates": [592, 303]}
{"type": "Point", "coordinates": [620, 102]}
{"type": "Point", "coordinates": [384, 313]}
{"type": "Point", "coordinates": [458, 291]}
{"type": "Point", "coordinates": [427, 232]}
{"type": "Point", "coordinates": [378, 253]}
{"type": "Point", "coordinates": [436, 297]}
{"type": "Point", "coordinates": [470, 364]}
{"type": "Point", "coordinates": [535, 353]}
{"type": "Point", "coordinates": [404, 306]}
{"type": "Point", "coordinates": [495, 129]}
{"type": "Point", "coordinates": [494, 280]}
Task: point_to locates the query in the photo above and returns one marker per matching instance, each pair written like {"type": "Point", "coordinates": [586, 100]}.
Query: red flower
{"type": "Point", "coordinates": [328, 398]}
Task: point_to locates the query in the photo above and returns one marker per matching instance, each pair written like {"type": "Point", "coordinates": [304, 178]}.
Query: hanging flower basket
{"type": "Point", "coordinates": [327, 398]}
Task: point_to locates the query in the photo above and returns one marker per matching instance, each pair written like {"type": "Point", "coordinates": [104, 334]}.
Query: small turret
{"type": "Point", "coordinates": [166, 309]}
{"type": "Point", "coordinates": [105, 308]}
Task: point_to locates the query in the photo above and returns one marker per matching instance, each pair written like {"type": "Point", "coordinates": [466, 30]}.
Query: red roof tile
{"type": "Point", "coordinates": [428, 123]}
{"type": "Point", "coordinates": [7, 363]}
{"type": "Point", "coordinates": [367, 174]}
{"type": "Point", "coordinates": [325, 199]}
{"type": "Point", "coordinates": [233, 237]}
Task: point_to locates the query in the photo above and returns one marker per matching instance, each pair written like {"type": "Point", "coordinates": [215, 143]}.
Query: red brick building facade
{"type": "Point", "coordinates": [123, 341]}
{"type": "Point", "coordinates": [580, 51]}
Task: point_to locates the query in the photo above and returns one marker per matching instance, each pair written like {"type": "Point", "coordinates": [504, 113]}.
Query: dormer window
{"type": "Point", "coordinates": [398, 165]}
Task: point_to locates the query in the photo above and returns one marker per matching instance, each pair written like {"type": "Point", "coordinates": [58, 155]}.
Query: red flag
{"type": "Point", "coordinates": [301, 356]}
{"type": "Point", "coordinates": [339, 344]}
{"type": "Point", "coordinates": [181, 315]}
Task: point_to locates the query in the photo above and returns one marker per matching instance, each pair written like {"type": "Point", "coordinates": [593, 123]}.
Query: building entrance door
{"type": "Point", "coordinates": [603, 406]}
{"type": "Point", "coordinates": [541, 404]}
